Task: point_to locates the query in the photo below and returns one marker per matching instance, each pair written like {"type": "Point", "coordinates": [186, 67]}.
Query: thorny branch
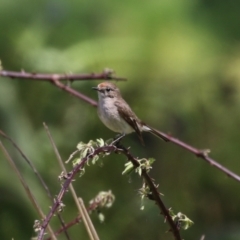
{"type": "Point", "coordinates": [79, 166]}
{"type": "Point", "coordinates": [154, 192]}
{"type": "Point", "coordinates": [29, 162]}
{"type": "Point", "coordinates": [93, 205]}
{"type": "Point", "coordinates": [66, 184]}
{"type": "Point", "coordinates": [56, 79]}
{"type": "Point", "coordinates": [201, 154]}
{"type": "Point", "coordinates": [107, 74]}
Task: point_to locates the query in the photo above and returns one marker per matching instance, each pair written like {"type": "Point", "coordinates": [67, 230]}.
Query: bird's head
{"type": "Point", "coordinates": [107, 90]}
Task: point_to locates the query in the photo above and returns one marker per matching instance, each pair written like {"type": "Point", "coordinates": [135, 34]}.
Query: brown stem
{"type": "Point", "coordinates": [201, 154]}
{"type": "Point", "coordinates": [105, 75]}
{"type": "Point", "coordinates": [155, 194]}
{"type": "Point", "coordinates": [145, 175]}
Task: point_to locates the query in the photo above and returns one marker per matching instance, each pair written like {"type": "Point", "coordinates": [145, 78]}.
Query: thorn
{"type": "Point", "coordinates": [203, 153]}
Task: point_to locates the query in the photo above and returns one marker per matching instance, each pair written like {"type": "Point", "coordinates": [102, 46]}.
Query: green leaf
{"type": "Point", "coordinates": [128, 168]}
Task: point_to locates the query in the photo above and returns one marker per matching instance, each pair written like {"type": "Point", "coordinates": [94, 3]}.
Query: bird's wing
{"type": "Point", "coordinates": [127, 114]}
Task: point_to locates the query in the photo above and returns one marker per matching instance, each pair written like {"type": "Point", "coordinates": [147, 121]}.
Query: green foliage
{"type": "Point", "coordinates": [85, 149]}
{"type": "Point", "coordinates": [103, 200]}
{"type": "Point", "coordinates": [143, 164]}
{"type": "Point", "coordinates": [183, 221]}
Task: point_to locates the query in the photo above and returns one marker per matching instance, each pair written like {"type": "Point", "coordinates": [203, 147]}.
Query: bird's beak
{"type": "Point", "coordinates": [95, 88]}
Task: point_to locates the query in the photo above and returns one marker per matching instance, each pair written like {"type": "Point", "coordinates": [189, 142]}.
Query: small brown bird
{"type": "Point", "coordinates": [116, 114]}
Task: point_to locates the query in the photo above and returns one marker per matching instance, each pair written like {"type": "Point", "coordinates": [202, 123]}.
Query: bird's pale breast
{"type": "Point", "coordinates": [108, 113]}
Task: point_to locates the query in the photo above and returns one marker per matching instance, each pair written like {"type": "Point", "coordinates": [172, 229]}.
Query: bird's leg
{"type": "Point", "coordinates": [117, 139]}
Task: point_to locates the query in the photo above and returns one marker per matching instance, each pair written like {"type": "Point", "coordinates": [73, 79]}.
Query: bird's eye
{"type": "Point", "coordinates": [108, 89]}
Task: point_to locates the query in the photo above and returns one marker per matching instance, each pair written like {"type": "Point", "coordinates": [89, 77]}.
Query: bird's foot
{"type": "Point", "coordinates": [117, 139]}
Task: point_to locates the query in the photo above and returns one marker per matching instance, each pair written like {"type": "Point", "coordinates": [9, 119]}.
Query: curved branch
{"type": "Point", "coordinates": [29, 162]}
{"type": "Point", "coordinates": [55, 79]}
{"type": "Point", "coordinates": [155, 194]}
{"type": "Point", "coordinates": [66, 185]}
{"type": "Point", "coordinates": [149, 181]}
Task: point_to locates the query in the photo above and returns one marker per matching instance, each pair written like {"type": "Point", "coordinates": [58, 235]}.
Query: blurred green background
{"type": "Point", "coordinates": [182, 62]}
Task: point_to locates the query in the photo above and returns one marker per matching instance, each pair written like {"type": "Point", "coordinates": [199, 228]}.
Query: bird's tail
{"type": "Point", "coordinates": [155, 132]}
